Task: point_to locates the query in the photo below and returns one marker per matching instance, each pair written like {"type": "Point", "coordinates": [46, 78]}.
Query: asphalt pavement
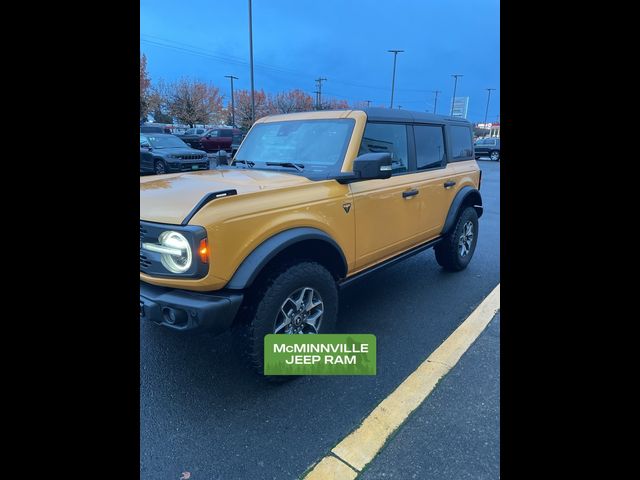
{"type": "Point", "coordinates": [204, 413]}
{"type": "Point", "coordinates": [455, 433]}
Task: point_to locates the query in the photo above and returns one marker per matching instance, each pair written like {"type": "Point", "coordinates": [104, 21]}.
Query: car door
{"type": "Point", "coordinates": [386, 211]}
{"type": "Point", "coordinates": [434, 179]}
{"type": "Point", "coordinates": [209, 142]}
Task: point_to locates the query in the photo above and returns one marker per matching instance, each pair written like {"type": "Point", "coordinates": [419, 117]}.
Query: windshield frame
{"type": "Point", "coordinates": [331, 169]}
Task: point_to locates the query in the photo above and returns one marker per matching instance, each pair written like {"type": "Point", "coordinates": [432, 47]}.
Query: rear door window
{"type": "Point", "coordinates": [430, 151]}
{"type": "Point", "coordinates": [460, 140]}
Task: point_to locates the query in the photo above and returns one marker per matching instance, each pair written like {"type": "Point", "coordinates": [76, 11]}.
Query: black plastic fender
{"type": "Point", "coordinates": [251, 266]}
{"type": "Point", "coordinates": [466, 195]}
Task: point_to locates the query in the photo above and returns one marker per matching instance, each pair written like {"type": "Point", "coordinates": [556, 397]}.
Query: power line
{"type": "Point", "coordinates": [186, 48]}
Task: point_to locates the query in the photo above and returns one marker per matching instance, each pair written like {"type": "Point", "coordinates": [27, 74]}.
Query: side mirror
{"type": "Point", "coordinates": [370, 166]}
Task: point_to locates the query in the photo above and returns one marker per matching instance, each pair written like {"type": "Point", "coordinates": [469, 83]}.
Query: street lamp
{"type": "Point", "coordinates": [393, 79]}
{"type": "Point", "coordinates": [233, 106]}
{"type": "Point", "coordinates": [253, 101]}
{"type": "Point", "coordinates": [486, 112]}
{"type": "Point", "coordinates": [435, 103]}
{"type": "Point", "coordinates": [455, 86]}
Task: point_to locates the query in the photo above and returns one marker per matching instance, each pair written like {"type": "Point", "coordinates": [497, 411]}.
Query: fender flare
{"type": "Point", "coordinates": [253, 264]}
{"type": "Point", "coordinates": [465, 196]}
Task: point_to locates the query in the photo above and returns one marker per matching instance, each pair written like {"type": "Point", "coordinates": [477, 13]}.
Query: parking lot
{"type": "Point", "coordinates": [203, 412]}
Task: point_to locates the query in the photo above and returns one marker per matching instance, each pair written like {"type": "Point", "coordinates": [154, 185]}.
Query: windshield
{"type": "Point", "coordinates": [318, 146]}
{"type": "Point", "coordinates": [166, 141]}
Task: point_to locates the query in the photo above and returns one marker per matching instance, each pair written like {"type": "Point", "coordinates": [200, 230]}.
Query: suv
{"type": "Point", "coordinates": [488, 147]}
{"type": "Point", "coordinates": [312, 202]}
{"type": "Point", "coordinates": [161, 153]}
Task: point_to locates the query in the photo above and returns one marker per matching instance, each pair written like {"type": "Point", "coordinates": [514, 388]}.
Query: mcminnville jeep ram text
{"type": "Point", "coordinates": [310, 202]}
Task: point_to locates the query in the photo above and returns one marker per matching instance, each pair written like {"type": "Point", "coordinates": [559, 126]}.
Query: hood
{"type": "Point", "coordinates": [170, 198]}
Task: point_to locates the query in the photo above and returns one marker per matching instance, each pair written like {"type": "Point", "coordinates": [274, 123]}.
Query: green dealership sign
{"type": "Point", "coordinates": [322, 354]}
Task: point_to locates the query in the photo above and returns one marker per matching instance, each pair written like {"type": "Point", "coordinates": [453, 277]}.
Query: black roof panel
{"type": "Point", "coordinates": [401, 115]}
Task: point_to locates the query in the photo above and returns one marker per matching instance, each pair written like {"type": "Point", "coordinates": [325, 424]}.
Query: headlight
{"type": "Point", "coordinates": [179, 260]}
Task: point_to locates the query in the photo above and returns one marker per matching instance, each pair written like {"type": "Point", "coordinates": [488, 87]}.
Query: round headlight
{"type": "Point", "coordinates": [175, 263]}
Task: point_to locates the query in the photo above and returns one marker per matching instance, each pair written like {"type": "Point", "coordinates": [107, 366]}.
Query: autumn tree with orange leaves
{"type": "Point", "coordinates": [145, 83]}
{"type": "Point", "coordinates": [243, 107]}
{"type": "Point", "coordinates": [292, 101]}
{"type": "Point", "coordinates": [193, 102]}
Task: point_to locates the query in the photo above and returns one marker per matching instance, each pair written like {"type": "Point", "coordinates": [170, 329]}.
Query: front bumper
{"type": "Point", "coordinates": [185, 310]}
{"type": "Point", "coordinates": [187, 166]}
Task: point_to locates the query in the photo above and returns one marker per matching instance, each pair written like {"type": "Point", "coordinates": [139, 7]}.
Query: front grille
{"type": "Point", "coordinates": [192, 157]}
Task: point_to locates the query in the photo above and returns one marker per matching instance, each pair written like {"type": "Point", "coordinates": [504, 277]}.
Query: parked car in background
{"type": "Point", "coordinates": [218, 139]}
{"type": "Point", "coordinates": [192, 136]}
{"type": "Point", "coordinates": [154, 128]}
{"type": "Point", "coordinates": [488, 147]}
{"type": "Point", "coordinates": [235, 142]}
{"type": "Point", "coordinates": [169, 154]}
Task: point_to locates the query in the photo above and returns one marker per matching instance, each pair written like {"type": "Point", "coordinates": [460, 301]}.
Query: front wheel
{"type": "Point", "coordinates": [297, 299]}
{"type": "Point", "coordinates": [159, 167]}
{"type": "Point", "coordinates": [495, 156]}
{"type": "Point", "coordinates": [455, 250]}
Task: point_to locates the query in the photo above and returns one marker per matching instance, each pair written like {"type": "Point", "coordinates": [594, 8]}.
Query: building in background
{"type": "Point", "coordinates": [493, 128]}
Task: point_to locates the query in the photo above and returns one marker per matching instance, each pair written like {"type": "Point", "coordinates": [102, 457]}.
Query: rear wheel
{"type": "Point", "coordinates": [495, 156]}
{"type": "Point", "coordinates": [301, 298]}
{"type": "Point", "coordinates": [455, 250]}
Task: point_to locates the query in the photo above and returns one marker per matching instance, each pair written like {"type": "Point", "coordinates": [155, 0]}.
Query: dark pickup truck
{"type": "Point", "coordinates": [217, 139]}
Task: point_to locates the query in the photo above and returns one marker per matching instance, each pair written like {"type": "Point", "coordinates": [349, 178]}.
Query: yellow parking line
{"type": "Point", "coordinates": [360, 447]}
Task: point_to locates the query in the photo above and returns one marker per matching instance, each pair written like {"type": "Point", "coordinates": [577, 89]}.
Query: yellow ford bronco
{"type": "Point", "coordinates": [309, 203]}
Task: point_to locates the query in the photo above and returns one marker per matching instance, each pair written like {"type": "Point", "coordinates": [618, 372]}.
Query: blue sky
{"type": "Point", "coordinates": [295, 42]}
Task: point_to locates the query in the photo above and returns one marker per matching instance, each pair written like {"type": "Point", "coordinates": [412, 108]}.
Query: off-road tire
{"type": "Point", "coordinates": [448, 250]}
{"type": "Point", "coordinates": [263, 302]}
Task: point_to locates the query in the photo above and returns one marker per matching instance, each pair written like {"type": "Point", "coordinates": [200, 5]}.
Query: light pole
{"type": "Point", "coordinates": [486, 112]}
{"type": "Point", "coordinates": [455, 86]}
{"type": "Point", "coordinates": [319, 82]}
{"type": "Point", "coordinates": [393, 79]}
{"type": "Point", "coordinates": [368, 103]}
{"type": "Point", "coordinates": [233, 105]}
{"type": "Point", "coordinates": [435, 102]}
{"type": "Point", "coordinates": [253, 101]}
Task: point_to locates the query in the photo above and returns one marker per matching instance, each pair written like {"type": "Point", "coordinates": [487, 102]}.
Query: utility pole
{"type": "Point", "coordinates": [435, 102]}
{"type": "Point", "coordinates": [233, 105]}
{"type": "Point", "coordinates": [253, 100]}
{"type": "Point", "coordinates": [319, 92]}
{"type": "Point", "coordinates": [455, 86]}
{"type": "Point", "coordinates": [393, 78]}
{"type": "Point", "coordinates": [486, 112]}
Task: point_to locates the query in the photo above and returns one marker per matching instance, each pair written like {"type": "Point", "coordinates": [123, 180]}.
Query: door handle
{"type": "Point", "coordinates": [410, 193]}
{"type": "Point", "coordinates": [449, 184]}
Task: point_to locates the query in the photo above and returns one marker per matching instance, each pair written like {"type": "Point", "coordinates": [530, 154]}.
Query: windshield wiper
{"type": "Point", "coordinates": [248, 163]}
{"type": "Point", "coordinates": [297, 166]}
